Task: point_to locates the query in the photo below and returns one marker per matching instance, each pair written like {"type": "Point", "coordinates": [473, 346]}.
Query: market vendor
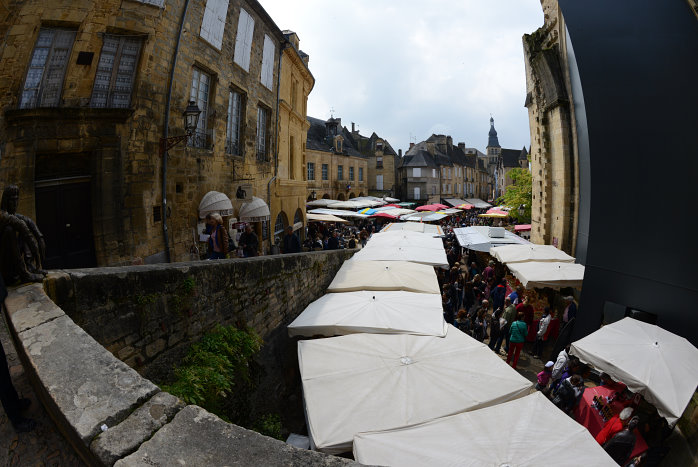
{"type": "Point", "coordinates": [614, 425]}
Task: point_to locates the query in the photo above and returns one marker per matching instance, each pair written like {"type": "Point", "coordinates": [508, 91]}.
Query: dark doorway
{"type": "Point", "coordinates": [64, 216]}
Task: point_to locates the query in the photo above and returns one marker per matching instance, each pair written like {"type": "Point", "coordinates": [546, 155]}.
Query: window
{"type": "Point", "coordinates": [292, 158]}
{"type": "Point", "coordinates": [324, 171]}
{"type": "Point", "coordinates": [294, 95]}
{"type": "Point", "coordinates": [267, 76]}
{"type": "Point", "coordinates": [379, 182]}
{"type": "Point", "coordinates": [200, 89]}
{"type": "Point", "coordinates": [44, 81]}
{"type": "Point", "coordinates": [433, 173]}
{"type": "Point", "coordinates": [243, 40]}
{"type": "Point", "coordinates": [416, 193]}
{"type": "Point", "coordinates": [213, 24]}
{"type": "Point", "coordinates": [116, 72]}
{"type": "Point", "coordinates": [351, 173]}
{"type": "Point", "coordinates": [262, 126]}
{"type": "Point", "coordinates": [361, 174]}
{"type": "Point", "coordinates": [311, 171]}
{"type": "Point", "coordinates": [433, 189]}
{"type": "Point", "coordinates": [417, 172]}
{"type": "Point", "coordinates": [379, 162]}
{"type": "Point", "coordinates": [340, 172]}
{"type": "Point", "coordinates": [280, 224]}
{"type": "Point", "coordinates": [232, 134]}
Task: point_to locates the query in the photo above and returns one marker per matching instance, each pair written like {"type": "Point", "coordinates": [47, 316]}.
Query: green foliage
{"type": "Point", "coordinates": [144, 300]}
{"type": "Point", "coordinates": [269, 425]}
{"type": "Point", "coordinates": [214, 366]}
{"type": "Point", "coordinates": [188, 286]}
{"type": "Point", "coordinates": [519, 194]}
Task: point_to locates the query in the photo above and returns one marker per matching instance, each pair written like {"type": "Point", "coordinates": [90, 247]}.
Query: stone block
{"type": "Point", "coordinates": [127, 436]}
{"type": "Point", "coordinates": [197, 437]}
{"type": "Point", "coordinates": [155, 348]}
{"type": "Point", "coordinates": [87, 384]}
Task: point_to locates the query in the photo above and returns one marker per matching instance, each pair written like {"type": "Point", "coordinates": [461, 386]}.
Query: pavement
{"type": "Point", "coordinates": [45, 445]}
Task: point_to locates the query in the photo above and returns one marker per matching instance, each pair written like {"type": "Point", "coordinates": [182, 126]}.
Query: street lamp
{"type": "Point", "coordinates": [191, 121]}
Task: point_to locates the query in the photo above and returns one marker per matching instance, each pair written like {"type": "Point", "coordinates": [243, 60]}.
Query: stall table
{"type": "Point", "coordinates": [588, 416]}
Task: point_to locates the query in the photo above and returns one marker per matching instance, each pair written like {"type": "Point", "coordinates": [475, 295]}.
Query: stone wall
{"type": "Point", "coordinates": [110, 413]}
{"type": "Point", "coordinates": [147, 315]}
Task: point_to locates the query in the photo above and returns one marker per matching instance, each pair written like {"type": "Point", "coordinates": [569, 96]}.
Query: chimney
{"type": "Point", "coordinates": [461, 146]}
{"type": "Point", "coordinates": [399, 152]}
{"type": "Point", "coordinates": [352, 128]}
{"type": "Point", "coordinates": [411, 145]}
{"type": "Point", "coordinates": [431, 148]}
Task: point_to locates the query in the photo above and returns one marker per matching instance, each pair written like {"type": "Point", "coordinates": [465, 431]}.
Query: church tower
{"type": "Point", "coordinates": [494, 150]}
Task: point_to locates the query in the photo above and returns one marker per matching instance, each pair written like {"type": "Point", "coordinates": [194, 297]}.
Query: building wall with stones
{"type": "Point", "coordinates": [554, 158]}
{"type": "Point", "coordinates": [84, 93]}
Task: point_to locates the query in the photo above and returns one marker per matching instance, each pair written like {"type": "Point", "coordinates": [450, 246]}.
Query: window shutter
{"type": "Point", "coordinates": [213, 24]}
{"type": "Point", "coordinates": [267, 75]}
{"type": "Point", "coordinates": [243, 40]}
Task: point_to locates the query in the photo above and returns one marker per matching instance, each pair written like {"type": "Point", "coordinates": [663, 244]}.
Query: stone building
{"type": "Point", "coordinates": [434, 170]}
{"type": "Point", "coordinates": [88, 90]}
{"type": "Point", "coordinates": [499, 161]}
{"type": "Point", "coordinates": [382, 167]}
{"type": "Point", "coordinates": [335, 168]}
{"type": "Point", "coordinates": [554, 158]}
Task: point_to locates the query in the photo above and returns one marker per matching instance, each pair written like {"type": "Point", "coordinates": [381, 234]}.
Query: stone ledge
{"type": "Point", "coordinates": [197, 437]}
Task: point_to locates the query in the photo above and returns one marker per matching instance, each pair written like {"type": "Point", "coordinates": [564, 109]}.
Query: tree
{"type": "Point", "coordinates": [519, 195]}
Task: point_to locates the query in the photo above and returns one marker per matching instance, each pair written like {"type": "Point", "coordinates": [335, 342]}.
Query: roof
{"type": "Point", "coordinates": [524, 154]}
{"type": "Point", "coordinates": [319, 140]}
{"type": "Point", "coordinates": [510, 157]}
{"type": "Point", "coordinates": [492, 141]}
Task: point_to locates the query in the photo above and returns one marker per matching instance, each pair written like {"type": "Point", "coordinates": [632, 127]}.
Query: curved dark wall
{"type": "Point", "coordinates": [638, 71]}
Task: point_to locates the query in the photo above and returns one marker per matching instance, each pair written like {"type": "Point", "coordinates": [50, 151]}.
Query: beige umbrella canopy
{"type": "Point", "coordinates": [255, 211]}
{"type": "Point", "coordinates": [215, 201]}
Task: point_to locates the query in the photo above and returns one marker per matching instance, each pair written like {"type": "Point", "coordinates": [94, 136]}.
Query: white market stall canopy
{"type": "Point", "coordinates": [321, 202]}
{"type": "Point", "coordinates": [414, 227]}
{"type": "Point", "coordinates": [383, 312]}
{"type": "Point", "coordinates": [365, 382]}
{"type": "Point", "coordinates": [524, 253]}
{"type": "Point", "coordinates": [455, 201]}
{"type": "Point", "coordinates": [414, 254]}
{"type": "Point", "coordinates": [337, 212]}
{"type": "Point", "coordinates": [478, 203]}
{"type": "Point", "coordinates": [354, 204]}
{"type": "Point", "coordinates": [405, 238]}
{"type": "Point", "coordinates": [529, 431]}
{"type": "Point", "coordinates": [393, 211]}
{"type": "Point", "coordinates": [385, 275]}
{"type": "Point", "coordinates": [651, 361]}
{"type": "Point", "coordinates": [548, 274]}
{"type": "Point", "coordinates": [215, 201]}
{"type": "Point", "coordinates": [325, 218]}
{"type": "Point", "coordinates": [477, 238]}
{"type": "Point", "coordinates": [254, 211]}
{"type": "Point", "coordinates": [425, 216]}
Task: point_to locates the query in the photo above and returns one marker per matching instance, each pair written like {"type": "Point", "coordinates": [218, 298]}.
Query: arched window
{"type": "Point", "coordinates": [280, 224]}
{"type": "Point", "coordinates": [298, 219]}
{"type": "Point", "coordinates": [352, 195]}
{"type": "Point", "coordinates": [325, 196]}
{"type": "Point", "coordinates": [340, 197]}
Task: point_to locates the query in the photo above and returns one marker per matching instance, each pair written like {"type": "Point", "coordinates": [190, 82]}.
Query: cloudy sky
{"type": "Point", "coordinates": [406, 69]}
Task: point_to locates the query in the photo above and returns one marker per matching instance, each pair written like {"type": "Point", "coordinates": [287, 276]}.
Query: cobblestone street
{"type": "Point", "coordinates": [44, 446]}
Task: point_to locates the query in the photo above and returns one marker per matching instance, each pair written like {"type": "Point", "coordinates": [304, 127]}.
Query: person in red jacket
{"type": "Point", "coordinates": [614, 425]}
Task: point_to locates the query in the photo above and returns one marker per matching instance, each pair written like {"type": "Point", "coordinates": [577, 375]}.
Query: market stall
{"type": "Point", "coordinates": [651, 361]}
{"type": "Point", "coordinates": [405, 238]}
{"type": "Point", "coordinates": [414, 254]}
{"type": "Point", "coordinates": [479, 238]}
{"type": "Point", "coordinates": [529, 431]}
{"type": "Point", "coordinates": [553, 274]}
{"type": "Point", "coordinates": [508, 254]}
{"type": "Point", "coordinates": [383, 312]}
{"type": "Point", "coordinates": [413, 227]}
{"type": "Point", "coordinates": [363, 382]}
{"type": "Point", "coordinates": [385, 275]}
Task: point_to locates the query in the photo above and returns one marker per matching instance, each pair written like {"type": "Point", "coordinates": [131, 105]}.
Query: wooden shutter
{"type": "Point", "coordinates": [267, 75]}
{"type": "Point", "coordinates": [213, 23]}
{"type": "Point", "coordinates": [243, 40]}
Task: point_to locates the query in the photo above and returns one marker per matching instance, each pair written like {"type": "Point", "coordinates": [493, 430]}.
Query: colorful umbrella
{"type": "Point", "coordinates": [440, 206]}
{"type": "Point", "coordinates": [367, 211]}
{"type": "Point", "coordinates": [464, 206]}
{"type": "Point", "coordinates": [383, 214]}
{"type": "Point", "coordinates": [429, 207]}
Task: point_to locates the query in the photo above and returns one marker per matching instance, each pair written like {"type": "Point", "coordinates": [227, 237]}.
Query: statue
{"type": "Point", "coordinates": [22, 247]}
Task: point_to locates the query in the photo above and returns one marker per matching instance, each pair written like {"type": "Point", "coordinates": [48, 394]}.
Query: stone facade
{"type": "Point", "coordinates": [77, 130]}
{"type": "Point", "coordinates": [554, 158]}
{"type": "Point", "coordinates": [335, 168]}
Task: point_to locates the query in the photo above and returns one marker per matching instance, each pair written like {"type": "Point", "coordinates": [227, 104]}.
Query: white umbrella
{"type": "Point", "coordinates": [254, 211]}
{"type": "Point", "coordinates": [548, 274]}
{"type": "Point", "coordinates": [529, 431]}
{"type": "Point", "coordinates": [414, 227]}
{"type": "Point", "coordinates": [385, 275]}
{"type": "Point", "coordinates": [321, 202]}
{"type": "Point", "coordinates": [337, 212]}
{"type": "Point", "coordinates": [363, 382]}
{"type": "Point", "coordinates": [215, 201]}
{"type": "Point", "coordinates": [523, 253]}
{"type": "Point", "coordinates": [384, 312]}
{"type": "Point", "coordinates": [350, 205]}
{"type": "Point", "coordinates": [656, 363]}
{"type": "Point", "coordinates": [414, 254]}
{"type": "Point", "coordinates": [325, 218]}
{"type": "Point", "coordinates": [477, 238]}
{"type": "Point", "coordinates": [405, 238]}
{"type": "Point", "coordinates": [391, 200]}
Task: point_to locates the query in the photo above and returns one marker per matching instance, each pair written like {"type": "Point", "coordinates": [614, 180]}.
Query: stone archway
{"type": "Point", "coordinates": [325, 196]}
{"type": "Point", "coordinates": [340, 197]}
{"type": "Point", "coordinates": [352, 195]}
{"type": "Point", "coordinates": [361, 194]}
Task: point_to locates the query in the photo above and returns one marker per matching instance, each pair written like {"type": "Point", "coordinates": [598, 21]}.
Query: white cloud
{"type": "Point", "coordinates": [417, 68]}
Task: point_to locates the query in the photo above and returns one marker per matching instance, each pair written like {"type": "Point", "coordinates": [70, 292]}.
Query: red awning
{"type": "Point", "coordinates": [522, 227]}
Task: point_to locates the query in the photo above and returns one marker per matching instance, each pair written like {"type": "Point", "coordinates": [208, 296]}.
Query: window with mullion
{"type": "Point", "coordinates": [200, 88]}
{"type": "Point", "coordinates": [232, 141]}
{"type": "Point", "coordinates": [311, 171]}
{"type": "Point", "coordinates": [116, 72]}
{"type": "Point", "coordinates": [44, 80]}
{"type": "Point", "coordinates": [351, 173]}
{"type": "Point", "coordinates": [262, 132]}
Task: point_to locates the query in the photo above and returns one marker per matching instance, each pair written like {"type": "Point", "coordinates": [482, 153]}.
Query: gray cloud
{"type": "Point", "coordinates": [409, 69]}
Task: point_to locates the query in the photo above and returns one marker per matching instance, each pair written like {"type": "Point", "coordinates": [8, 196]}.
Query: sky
{"type": "Point", "coordinates": [406, 69]}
